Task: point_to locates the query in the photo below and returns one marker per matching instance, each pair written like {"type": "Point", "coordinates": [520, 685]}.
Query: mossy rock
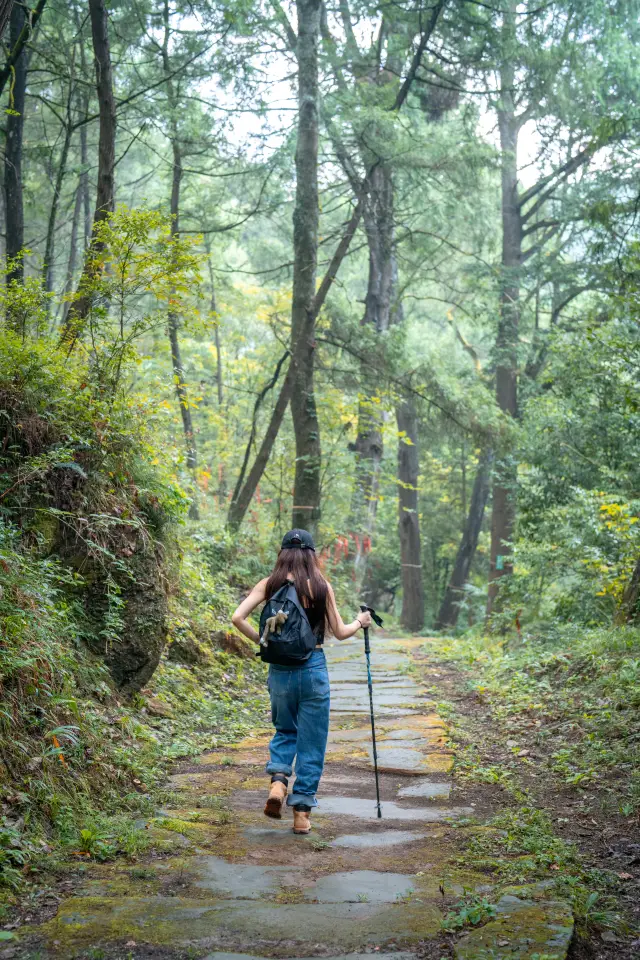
{"type": "Point", "coordinates": [522, 930]}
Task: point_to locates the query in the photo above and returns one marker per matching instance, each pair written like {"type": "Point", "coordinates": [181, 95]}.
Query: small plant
{"type": "Point", "coordinates": [362, 898]}
{"type": "Point", "coordinates": [213, 802]}
{"type": "Point", "coordinates": [94, 843]}
{"type": "Point", "coordinates": [592, 914]}
{"type": "Point", "coordinates": [472, 912]}
{"type": "Point", "coordinates": [13, 855]}
{"type": "Point", "coordinates": [319, 843]}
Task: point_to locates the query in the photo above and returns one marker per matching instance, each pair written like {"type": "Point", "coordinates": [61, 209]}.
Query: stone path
{"type": "Point", "coordinates": [228, 884]}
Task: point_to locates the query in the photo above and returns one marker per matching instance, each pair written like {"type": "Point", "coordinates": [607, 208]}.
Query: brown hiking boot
{"type": "Point", "coordinates": [301, 821]}
{"type": "Point", "coordinates": [277, 794]}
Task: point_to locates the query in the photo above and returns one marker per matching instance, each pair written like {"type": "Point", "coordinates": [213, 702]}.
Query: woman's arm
{"type": "Point", "coordinates": [248, 605]}
{"type": "Point", "coordinates": [341, 630]}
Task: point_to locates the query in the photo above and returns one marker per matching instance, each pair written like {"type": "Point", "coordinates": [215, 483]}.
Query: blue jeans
{"type": "Point", "coordinates": [300, 714]}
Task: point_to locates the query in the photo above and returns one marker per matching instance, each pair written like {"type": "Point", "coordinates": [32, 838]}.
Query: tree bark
{"type": "Point", "coordinates": [13, 149]}
{"type": "Point", "coordinates": [105, 194]}
{"type": "Point", "coordinates": [412, 616]}
{"type": "Point", "coordinates": [173, 319]}
{"type": "Point", "coordinates": [238, 508]}
{"type": "Point", "coordinates": [368, 448]}
{"type": "Point", "coordinates": [504, 486]}
{"type": "Point", "coordinates": [73, 250]}
{"type": "Point", "coordinates": [629, 612]}
{"type": "Point", "coordinates": [174, 325]}
{"type": "Point", "coordinates": [450, 606]}
{"type": "Point", "coordinates": [19, 40]}
{"type": "Point", "coordinates": [5, 13]}
{"type": "Point", "coordinates": [84, 181]}
{"type": "Point", "coordinates": [47, 267]}
{"type": "Point", "coordinates": [306, 496]}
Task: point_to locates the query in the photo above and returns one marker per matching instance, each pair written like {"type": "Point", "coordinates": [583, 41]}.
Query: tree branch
{"type": "Point", "coordinates": [254, 424]}
{"type": "Point", "coordinates": [560, 174]}
{"type": "Point", "coordinates": [26, 33]}
{"type": "Point", "coordinates": [415, 64]}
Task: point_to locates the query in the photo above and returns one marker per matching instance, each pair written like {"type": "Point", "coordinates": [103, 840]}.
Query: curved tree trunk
{"type": "Point", "coordinates": [450, 606]}
{"type": "Point", "coordinates": [13, 150]}
{"type": "Point", "coordinates": [306, 495]}
{"type": "Point", "coordinates": [412, 616]}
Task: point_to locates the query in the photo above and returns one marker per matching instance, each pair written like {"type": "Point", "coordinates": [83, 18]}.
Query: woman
{"type": "Point", "coordinates": [299, 694]}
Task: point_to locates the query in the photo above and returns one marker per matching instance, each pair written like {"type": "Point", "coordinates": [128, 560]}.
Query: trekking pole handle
{"type": "Point", "coordinates": [376, 619]}
{"type": "Point", "coordinates": [367, 648]}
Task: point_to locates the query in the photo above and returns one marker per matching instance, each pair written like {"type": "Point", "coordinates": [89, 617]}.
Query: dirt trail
{"type": "Point", "coordinates": [224, 882]}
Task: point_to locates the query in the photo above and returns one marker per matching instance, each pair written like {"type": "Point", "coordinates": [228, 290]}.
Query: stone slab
{"type": "Point", "coordinates": [177, 922]}
{"type": "Point", "coordinates": [426, 788]}
{"type": "Point", "coordinates": [366, 810]}
{"type": "Point", "coordinates": [411, 762]}
{"type": "Point", "coordinates": [401, 758]}
{"type": "Point", "coordinates": [381, 838]}
{"type": "Point", "coordinates": [396, 955]}
{"type": "Point", "coordinates": [361, 886]}
{"type": "Point", "coordinates": [245, 881]}
{"type": "Point", "coordinates": [269, 835]}
{"type": "Point", "coordinates": [347, 707]}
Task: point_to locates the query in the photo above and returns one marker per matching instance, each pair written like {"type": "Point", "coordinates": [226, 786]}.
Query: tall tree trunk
{"type": "Point", "coordinates": [222, 480]}
{"type": "Point", "coordinates": [306, 496]}
{"type": "Point", "coordinates": [628, 612]}
{"type": "Point", "coordinates": [412, 616]}
{"type": "Point", "coordinates": [173, 319]}
{"type": "Point", "coordinates": [239, 506]}
{"type": "Point", "coordinates": [5, 13]}
{"type": "Point", "coordinates": [105, 194]}
{"type": "Point", "coordinates": [450, 606]}
{"type": "Point", "coordinates": [214, 309]}
{"type": "Point", "coordinates": [47, 267]}
{"type": "Point", "coordinates": [19, 41]}
{"type": "Point", "coordinates": [73, 250]}
{"type": "Point", "coordinates": [505, 478]}
{"type": "Point", "coordinates": [174, 326]}
{"type": "Point", "coordinates": [379, 228]}
{"type": "Point", "coordinates": [83, 109]}
{"type": "Point", "coordinates": [84, 181]}
{"type": "Point", "coordinates": [13, 150]}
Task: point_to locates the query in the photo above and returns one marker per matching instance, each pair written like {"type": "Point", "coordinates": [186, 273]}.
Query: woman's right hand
{"type": "Point", "coordinates": [365, 618]}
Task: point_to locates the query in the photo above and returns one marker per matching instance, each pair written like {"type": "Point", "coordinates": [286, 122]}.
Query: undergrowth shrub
{"type": "Point", "coordinates": [579, 687]}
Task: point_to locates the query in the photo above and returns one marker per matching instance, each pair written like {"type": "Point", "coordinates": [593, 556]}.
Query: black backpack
{"type": "Point", "coordinates": [286, 636]}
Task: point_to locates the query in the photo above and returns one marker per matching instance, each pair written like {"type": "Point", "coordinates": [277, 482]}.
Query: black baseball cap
{"type": "Point", "coordinates": [297, 538]}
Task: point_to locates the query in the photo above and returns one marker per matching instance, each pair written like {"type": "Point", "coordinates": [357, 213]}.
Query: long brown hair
{"type": "Point", "coordinates": [302, 567]}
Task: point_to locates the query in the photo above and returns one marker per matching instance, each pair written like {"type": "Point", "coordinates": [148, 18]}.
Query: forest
{"type": "Point", "coordinates": [366, 268]}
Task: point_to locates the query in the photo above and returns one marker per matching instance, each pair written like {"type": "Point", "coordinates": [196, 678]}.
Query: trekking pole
{"type": "Point", "coordinates": [367, 651]}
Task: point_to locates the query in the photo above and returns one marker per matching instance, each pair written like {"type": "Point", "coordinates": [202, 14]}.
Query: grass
{"type": "Point", "coordinates": [572, 701]}
{"type": "Point", "coordinates": [574, 693]}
